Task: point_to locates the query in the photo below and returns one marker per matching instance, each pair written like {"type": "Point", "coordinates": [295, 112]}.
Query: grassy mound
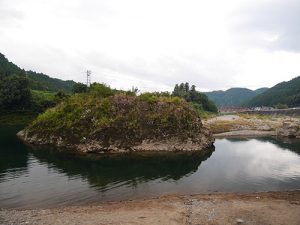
{"type": "Point", "coordinates": [108, 119]}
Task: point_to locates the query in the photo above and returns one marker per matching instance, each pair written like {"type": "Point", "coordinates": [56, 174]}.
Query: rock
{"type": "Point", "coordinates": [289, 129]}
{"type": "Point", "coordinates": [264, 128]}
{"type": "Point", "coordinates": [295, 202]}
{"type": "Point", "coordinates": [239, 221]}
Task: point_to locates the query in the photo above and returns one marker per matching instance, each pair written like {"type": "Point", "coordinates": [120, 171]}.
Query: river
{"type": "Point", "coordinates": [31, 178]}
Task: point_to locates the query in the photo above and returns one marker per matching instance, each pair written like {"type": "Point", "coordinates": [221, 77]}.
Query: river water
{"type": "Point", "coordinates": [31, 178]}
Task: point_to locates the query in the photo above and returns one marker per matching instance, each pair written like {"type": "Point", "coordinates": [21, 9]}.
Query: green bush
{"type": "Point", "coordinates": [101, 90]}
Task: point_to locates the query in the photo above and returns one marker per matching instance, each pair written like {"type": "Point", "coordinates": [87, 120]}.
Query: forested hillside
{"type": "Point", "coordinates": [284, 93]}
{"type": "Point", "coordinates": [37, 81]}
{"type": "Point", "coordinates": [40, 81]}
{"type": "Point", "coordinates": [233, 97]}
{"type": "Point", "coordinates": [28, 90]}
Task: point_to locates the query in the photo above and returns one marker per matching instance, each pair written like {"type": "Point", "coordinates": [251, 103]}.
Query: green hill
{"type": "Point", "coordinates": [40, 81]}
{"type": "Point", "coordinates": [7, 68]}
{"type": "Point", "coordinates": [37, 81]}
{"type": "Point", "coordinates": [287, 93]}
{"type": "Point", "coordinates": [29, 91]}
{"type": "Point", "coordinates": [233, 97]}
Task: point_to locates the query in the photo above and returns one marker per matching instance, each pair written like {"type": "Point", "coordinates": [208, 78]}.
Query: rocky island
{"type": "Point", "coordinates": [107, 121]}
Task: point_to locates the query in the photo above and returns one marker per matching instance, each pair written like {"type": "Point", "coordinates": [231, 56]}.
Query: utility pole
{"type": "Point", "coordinates": [88, 78]}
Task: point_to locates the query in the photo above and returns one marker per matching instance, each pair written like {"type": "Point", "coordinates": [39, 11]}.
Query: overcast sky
{"type": "Point", "coordinates": [153, 44]}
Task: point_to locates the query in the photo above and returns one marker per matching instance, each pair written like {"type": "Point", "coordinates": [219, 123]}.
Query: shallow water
{"type": "Point", "coordinates": [41, 178]}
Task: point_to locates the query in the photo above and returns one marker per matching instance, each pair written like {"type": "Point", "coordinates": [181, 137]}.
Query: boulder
{"type": "Point", "coordinates": [289, 129]}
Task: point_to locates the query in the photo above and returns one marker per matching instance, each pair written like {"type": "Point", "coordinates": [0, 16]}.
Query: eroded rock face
{"type": "Point", "coordinates": [289, 129]}
{"type": "Point", "coordinates": [203, 141]}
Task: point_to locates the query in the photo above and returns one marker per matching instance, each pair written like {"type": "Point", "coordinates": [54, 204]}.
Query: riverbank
{"type": "Point", "coordinates": [246, 125]}
{"type": "Point", "coordinates": [255, 208]}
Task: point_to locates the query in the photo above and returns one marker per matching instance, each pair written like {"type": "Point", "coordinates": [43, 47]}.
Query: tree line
{"type": "Point", "coordinates": [197, 99]}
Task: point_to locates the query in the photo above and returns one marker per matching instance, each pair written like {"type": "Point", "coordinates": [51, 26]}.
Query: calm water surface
{"type": "Point", "coordinates": [40, 178]}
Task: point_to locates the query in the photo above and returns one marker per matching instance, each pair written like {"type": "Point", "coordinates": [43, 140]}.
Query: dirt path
{"type": "Point", "coordinates": [256, 208]}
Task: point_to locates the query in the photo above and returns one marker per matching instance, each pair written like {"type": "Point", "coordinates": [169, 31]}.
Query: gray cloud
{"type": "Point", "coordinates": [274, 24]}
{"type": "Point", "coordinates": [154, 44]}
{"type": "Point", "coordinates": [167, 70]}
{"type": "Point", "coordinates": [8, 14]}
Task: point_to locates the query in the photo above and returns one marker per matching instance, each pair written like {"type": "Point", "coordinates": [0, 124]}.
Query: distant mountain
{"type": "Point", "coordinates": [260, 90]}
{"type": "Point", "coordinates": [40, 81]}
{"type": "Point", "coordinates": [233, 97]}
{"type": "Point", "coordinates": [283, 93]}
{"type": "Point", "coordinates": [37, 81]}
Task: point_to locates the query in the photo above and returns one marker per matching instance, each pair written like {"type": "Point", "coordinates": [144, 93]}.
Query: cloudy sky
{"type": "Point", "coordinates": [153, 44]}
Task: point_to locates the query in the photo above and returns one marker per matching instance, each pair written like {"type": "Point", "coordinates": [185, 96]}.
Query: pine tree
{"type": "Point", "coordinates": [176, 90]}
{"type": "Point", "coordinates": [187, 87]}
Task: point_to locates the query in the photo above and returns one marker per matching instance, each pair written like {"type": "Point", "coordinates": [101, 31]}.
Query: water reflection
{"type": "Point", "coordinates": [244, 165]}
{"type": "Point", "coordinates": [13, 154]}
{"type": "Point", "coordinates": [133, 168]}
{"type": "Point", "coordinates": [291, 144]}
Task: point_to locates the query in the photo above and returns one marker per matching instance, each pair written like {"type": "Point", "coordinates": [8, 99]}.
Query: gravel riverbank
{"type": "Point", "coordinates": [256, 208]}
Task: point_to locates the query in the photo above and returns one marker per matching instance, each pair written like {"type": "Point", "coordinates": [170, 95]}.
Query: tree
{"type": "Point", "coordinates": [281, 106]}
{"type": "Point", "coordinates": [60, 95]}
{"type": "Point", "coordinates": [199, 100]}
{"type": "Point", "coordinates": [181, 87]}
{"type": "Point", "coordinates": [79, 88]}
{"type": "Point", "coordinates": [176, 90]}
{"type": "Point", "coordinates": [187, 87]}
{"type": "Point", "coordinates": [101, 90]}
{"type": "Point", "coordinates": [193, 88]}
{"type": "Point", "coordinates": [14, 92]}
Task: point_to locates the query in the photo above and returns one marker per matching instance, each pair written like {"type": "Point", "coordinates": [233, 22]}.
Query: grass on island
{"type": "Point", "coordinates": [105, 112]}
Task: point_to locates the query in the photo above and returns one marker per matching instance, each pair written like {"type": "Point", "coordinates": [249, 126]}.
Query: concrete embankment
{"type": "Point", "coordinates": [279, 112]}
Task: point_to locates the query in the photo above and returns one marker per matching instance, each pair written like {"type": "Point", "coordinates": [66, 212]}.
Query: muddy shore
{"type": "Point", "coordinates": [255, 208]}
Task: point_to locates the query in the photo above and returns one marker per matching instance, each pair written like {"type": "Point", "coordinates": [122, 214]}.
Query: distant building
{"type": "Point", "coordinates": [263, 108]}
{"type": "Point", "coordinates": [233, 109]}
